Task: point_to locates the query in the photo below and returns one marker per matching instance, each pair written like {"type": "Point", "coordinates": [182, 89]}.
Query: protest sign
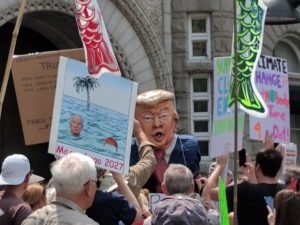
{"type": "Point", "coordinates": [34, 77]}
{"type": "Point", "coordinates": [223, 209]}
{"type": "Point", "coordinates": [289, 152]}
{"type": "Point", "coordinates": [93, 116]}
{"type": "Point", "coordinates": [154, 199]}
{"type": "Point", "coordinates": [271, 79]}
{"type": "Point", "coordinates": [222, 140]}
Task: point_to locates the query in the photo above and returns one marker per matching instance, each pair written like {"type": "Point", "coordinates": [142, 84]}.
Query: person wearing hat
{"type": "Point", "coordinates": [156, 112]}
{"type": "Point", "coordinates": [16, 174]}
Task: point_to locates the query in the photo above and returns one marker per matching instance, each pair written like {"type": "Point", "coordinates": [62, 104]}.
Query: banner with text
{"type": "Point", "coordinates": [223, 120]}
{"type": "Point", "coordinates": [34, 77]}
{"type": "Point", "coordinates": [271, 80]}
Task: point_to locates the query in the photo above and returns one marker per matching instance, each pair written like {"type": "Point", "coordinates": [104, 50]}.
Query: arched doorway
{"type": "Point", "coordinates": [50, 25]}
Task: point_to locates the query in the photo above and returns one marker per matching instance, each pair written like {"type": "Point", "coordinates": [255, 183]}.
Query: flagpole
{"type": "Point", "coordinates": [11, 53]}
{"type": "Point", "coordinates": [235, 197]}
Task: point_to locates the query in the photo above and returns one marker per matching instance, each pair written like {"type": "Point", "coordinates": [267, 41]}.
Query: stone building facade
{"type": "Point", "coordinates": [167, 44]}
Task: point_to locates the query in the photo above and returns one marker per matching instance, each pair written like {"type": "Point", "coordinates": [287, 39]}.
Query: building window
{"type": "Point", "coordinates": [288, 48]}
{"type": "Point", "coordinates": [199, 36]}
{"type": "Point", "coordinates": [201, 111]}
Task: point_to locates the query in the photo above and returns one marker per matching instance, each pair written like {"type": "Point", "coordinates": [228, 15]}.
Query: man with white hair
{"type": "Point", "coordinates": [75, 181]}
{"type": "Point", "coordinates": [178, 207]}
{"type": "Point", "coordinates": [16, 174]}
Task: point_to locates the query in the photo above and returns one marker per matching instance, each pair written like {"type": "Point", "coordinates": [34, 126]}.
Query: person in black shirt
{"type": "Point", "coordinates": [251, 206]}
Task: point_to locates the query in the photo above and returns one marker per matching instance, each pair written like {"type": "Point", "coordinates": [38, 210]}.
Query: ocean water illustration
{"type": "Point", "coordinates": [99, 125]}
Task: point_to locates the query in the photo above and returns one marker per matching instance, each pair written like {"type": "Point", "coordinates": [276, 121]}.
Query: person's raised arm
{"type": "Point", "coordinates": [249, 170]}
{"type": "Point", "coordinates": [125, 190]}
{"type": "Point", "coordinates": [142, 170]}
{"type": "Point", "coordinates": [212, 181]}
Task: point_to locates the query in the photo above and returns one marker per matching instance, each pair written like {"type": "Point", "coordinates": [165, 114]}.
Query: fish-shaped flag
{"type": "Point", "coordinates": [250, 28]}
{"type": "Point", "coordinates": [99, 54]}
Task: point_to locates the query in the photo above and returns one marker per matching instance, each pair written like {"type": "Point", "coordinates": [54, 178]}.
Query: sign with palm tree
{"type": "Point", "coordinates": [85, 83]}
{"type": "Point", "coordinates": [93, 116]}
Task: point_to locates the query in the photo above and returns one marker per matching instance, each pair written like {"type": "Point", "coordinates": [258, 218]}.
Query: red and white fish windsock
{"type": "Point", "coordinates": [99, 54]}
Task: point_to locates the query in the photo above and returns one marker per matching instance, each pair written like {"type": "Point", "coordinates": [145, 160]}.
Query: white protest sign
{"type": "Point", "coordinates": [271, 80]}
{"type": "Point", "coordinates": [223, 121]}
{"type": "Point", "coordinates": [289, 156]}
{"type": "Point", "coordinates": [93, 116]}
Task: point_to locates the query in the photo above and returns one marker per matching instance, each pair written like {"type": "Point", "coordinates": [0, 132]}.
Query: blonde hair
{"type": "Point", "coordinates": [154, 97]}
{"type": "Point", "coordinates": [33, 194]}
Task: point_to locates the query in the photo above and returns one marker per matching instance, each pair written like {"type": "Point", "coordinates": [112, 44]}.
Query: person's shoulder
{"type": "Point", "coordinates": [186, 137]}
{"type": "Point", "coordinates": [243, 186]}
{"type": "Point", "coordinates": [38, 215]}
{"type": "Point", "coordinates": [187, 141]}
{"type": "Point", "coordinates": [108, 198]}
{"type": "Point", "coordinates": [179, 199]}
{"type": "Point", "coordinates": [180, 208]}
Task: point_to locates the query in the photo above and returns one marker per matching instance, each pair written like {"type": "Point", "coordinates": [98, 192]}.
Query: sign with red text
{"type": "Point", "coordinates": [223, 120]}
{"type": "Point", "coordinates": [93, 116]}
{"type": "Point", "coordinates": [271, 80]}
{"type": "Point", "coordinates": [34, 77]}
{"type": "Point", "coordinates": [289, 152]}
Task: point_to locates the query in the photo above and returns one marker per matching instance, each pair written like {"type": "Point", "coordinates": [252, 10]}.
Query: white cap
{"type": "Point", "coordinates": [14, 170]}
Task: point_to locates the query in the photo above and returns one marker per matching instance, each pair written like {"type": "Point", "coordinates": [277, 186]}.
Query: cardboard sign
{"type": "Point", "coordinates": [271, 79]}
{"type": "Point", "coordinates": [93, 116]}
{"type": "Point", "coordinates": [34, 78]}
{"type": "Point", "coordinates": [223, 120]}
{"type": "Point", "coordinates": [289, 152]}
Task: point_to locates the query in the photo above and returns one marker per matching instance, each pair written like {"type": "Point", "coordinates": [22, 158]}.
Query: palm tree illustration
{"type": "Point", "coordinates": [85, 83]}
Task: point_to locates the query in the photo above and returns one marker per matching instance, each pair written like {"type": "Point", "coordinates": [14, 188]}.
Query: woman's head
{"type": "Point", "coordinates": [287, 204]}
{"type": "Point", "coordinates": [35, 196]}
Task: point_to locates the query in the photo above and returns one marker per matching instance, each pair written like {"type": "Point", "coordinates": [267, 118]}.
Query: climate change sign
{"type": "Point", "coordinates": [271, 80]}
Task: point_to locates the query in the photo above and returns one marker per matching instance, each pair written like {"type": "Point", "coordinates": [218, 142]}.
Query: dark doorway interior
{"type": "Point", "coordinates": [29, 41]}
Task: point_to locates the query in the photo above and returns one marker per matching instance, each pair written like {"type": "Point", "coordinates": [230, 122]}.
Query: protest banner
{"type": "Point", "coordinates": [101, 112]}
{"type": "Point", "coordinates": [34, 77]}
{"type": "Point", "coordinates": [289, 152]}
{"type": "Point", "coordinates": [271, 79]}
{"type": "Point", "coordinates": [222, 140]}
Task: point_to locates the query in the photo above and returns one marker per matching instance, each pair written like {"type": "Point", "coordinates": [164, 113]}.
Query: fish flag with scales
{"type": "Point", "coordinates": [250, 29]}
{"type": "Point", "coordinates": [99, 54]}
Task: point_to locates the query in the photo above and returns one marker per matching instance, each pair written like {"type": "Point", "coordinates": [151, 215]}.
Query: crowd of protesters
{"type": "Point", "coordinates": [161, 162]}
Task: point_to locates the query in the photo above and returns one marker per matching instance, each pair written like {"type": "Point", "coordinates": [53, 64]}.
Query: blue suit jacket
{"type": "Point", "coordinates": [186, 152]}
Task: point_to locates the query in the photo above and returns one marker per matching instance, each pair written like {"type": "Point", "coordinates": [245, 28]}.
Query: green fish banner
{"type": "Point", "coordinates": [250, 28]}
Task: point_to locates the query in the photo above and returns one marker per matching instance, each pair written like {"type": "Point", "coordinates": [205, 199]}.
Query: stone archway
{"type": "Point", "coordinates": [138, 49]}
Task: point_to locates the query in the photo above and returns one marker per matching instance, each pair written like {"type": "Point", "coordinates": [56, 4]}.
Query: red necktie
{"type": "Point", "coordinates": [161, 166]}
